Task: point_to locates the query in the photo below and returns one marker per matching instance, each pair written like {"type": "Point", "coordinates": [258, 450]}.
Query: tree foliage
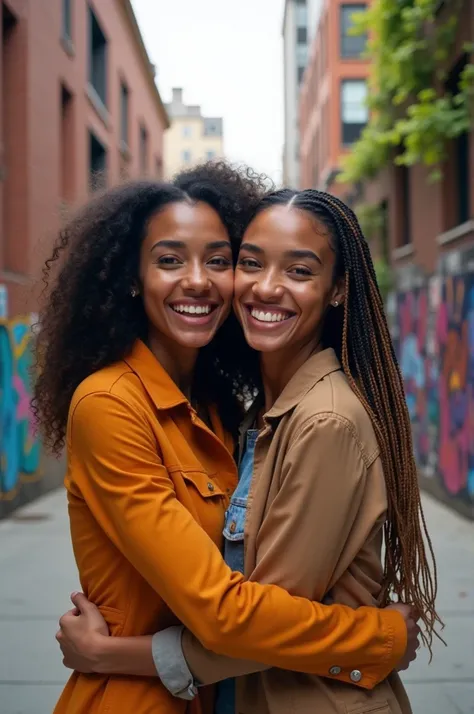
{"type": "Point", "coordinates": [413, 112]}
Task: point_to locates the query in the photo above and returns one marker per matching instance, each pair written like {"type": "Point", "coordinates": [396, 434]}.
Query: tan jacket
{"type": "Point", "coordinates": [314, 526]}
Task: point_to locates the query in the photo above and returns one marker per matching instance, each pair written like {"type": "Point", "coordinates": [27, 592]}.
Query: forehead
{"type": "Point", "coordinates": [283, 228]}
{"type": "Point", "coordinates": [187, 221]}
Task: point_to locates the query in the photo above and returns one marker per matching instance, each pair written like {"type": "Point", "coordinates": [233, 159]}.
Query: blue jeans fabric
{"type": "Point", "coordinates": [234, 549]}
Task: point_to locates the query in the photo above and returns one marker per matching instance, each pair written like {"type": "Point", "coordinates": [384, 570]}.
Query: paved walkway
{"type": "Point", "coordinates": [37, 573]}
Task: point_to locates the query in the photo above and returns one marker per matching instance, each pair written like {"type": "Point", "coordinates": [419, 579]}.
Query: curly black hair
{"type": "Point", "coordinates": [89, 319]}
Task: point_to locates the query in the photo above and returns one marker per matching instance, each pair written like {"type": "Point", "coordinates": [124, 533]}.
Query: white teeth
{"type": "Point", "coordinates": [269, 316]}
{"type": "Point", "coordinates": [192, 309]}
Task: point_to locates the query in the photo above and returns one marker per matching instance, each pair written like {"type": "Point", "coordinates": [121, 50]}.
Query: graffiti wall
{"type": "Point", "coordinates": [20, 447]}
{"type": "Point", "coordinates": [433, 331]}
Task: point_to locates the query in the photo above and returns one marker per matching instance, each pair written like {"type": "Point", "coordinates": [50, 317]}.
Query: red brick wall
{"type": "Point", "coordinates": [36, 65]}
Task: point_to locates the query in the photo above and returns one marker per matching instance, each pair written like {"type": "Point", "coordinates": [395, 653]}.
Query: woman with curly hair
{"type": "Point", "coordinates": [143, 375]}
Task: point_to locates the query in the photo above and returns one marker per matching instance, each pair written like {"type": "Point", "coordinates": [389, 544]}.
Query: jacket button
{"type": "Point", "coordinates": [356, 676]}
{"type": "Point", "coordinates": [335, 671]}
{"type": "Point", "coordinates": [210, 486]}
{"type": "Point", "coordinates": [233, 526]}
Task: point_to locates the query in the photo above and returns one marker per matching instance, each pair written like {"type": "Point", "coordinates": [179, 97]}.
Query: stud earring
{"type": "Point", "coordinates": [335, 303]}
{"type": "Point", "coordinates": [134, 292]}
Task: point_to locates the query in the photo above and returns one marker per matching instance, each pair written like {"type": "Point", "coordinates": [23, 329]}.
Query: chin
{"type": "Point", "coordinates": [195, 342]}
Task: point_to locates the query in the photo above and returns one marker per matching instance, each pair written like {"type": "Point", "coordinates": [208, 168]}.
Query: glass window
{"type": "Point", "coordinates": [143, 150]}
{"type": "Point", "coordinates": [186, 156]}
{"type": "Point", "coordinates": [301, 35]}
{"type": "Point", "coordinates": [97, 58]}
{"type": "Point", "coordinates": [67, 20]}
{"type": "Point", "coordinates": [124, 113]}
{"type": "Point", "coordinates": [187, 131]}
{"type": "Point", "coordinates": [354, 110]}
{"type": "Point", "coordinates": [351, 45]}
{"type": "Point", "coordinates": [97, 163]}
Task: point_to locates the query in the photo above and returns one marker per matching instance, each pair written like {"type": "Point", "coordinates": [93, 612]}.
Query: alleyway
{"type": "Point", "coordinates": [37, 574]}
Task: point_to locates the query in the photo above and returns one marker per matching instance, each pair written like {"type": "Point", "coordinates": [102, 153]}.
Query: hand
{"type": "Point", "coordinates": [79, 634]}
{"type": "Point", "coordinates": [413, 631]}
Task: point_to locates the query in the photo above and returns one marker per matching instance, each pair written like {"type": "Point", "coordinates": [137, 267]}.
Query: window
{"type": "Point", "coordinates": [301, 35]}
{"type": "Point", "coordinates": [186, 156]}
{"type": "Point", "coordinates": [459, 168]}
{"type": "Point", "coordinates": [351, 45]}
{"type": "Point", "coordinates": [300, 74]}
{"type": "Point", "coordinates": [301, 14]}
{"type": "Point", "coordinates": [463, 179]}
{"type": "Point", "coordinates": [210, 155]}
{"type": "Point", "coordinates": [124, 103]}
{"type": "Point", "coordinates": [67, 20]}
{"type": "Point", "coordinates": [97, 163]}
{"type": "Point", "coordinates": [97, 58]}
{"type": "Point", "coordinates": [354, 111]}
{"type": "Point", "coordinates": [143, 150]}
{"type": "Point", "coordinates": [187, 131]}
{"type": "Point", "coordinates": [67, 146]}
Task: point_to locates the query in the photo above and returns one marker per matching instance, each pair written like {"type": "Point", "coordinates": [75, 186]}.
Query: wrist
{"type": "Point", "coordinates": [100, 649]}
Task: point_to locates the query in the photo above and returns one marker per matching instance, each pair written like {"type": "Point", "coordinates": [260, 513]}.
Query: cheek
{"type": "Point", "coordinates": [241, 284]}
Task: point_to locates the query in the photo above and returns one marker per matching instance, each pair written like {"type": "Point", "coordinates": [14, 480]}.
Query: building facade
{"type": "Point", "coordinates": [333, 95]}
{"type": "Point", "coordinates": [192, 138]}
{"type": "Point", "coordinates": [295, 54]}
{"type": "Point", "coordinates": [427, 237]}
{"type": "Point", "coordinates": [79, 109]}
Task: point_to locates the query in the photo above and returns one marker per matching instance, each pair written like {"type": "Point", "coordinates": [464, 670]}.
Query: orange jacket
{"type": "Point", "coordinates": [148, 483]}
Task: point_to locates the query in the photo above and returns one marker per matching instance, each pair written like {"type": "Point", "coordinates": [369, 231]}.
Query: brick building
{"type": "Point", "coordinates": [80, 107]}
{"type": "Point", "coordinates": [333, 94]}
{"type": "Point", "coordinates": [425, 221]}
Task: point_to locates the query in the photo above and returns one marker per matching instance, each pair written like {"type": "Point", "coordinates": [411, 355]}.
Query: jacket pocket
{"type": "Point", "coordinates": [235, 520]}
{"type": "Point", "coordinates": [204, 485]}
{"type": "Point", "coordinates": [380, 707]}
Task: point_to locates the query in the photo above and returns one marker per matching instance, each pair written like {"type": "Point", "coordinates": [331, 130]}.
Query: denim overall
{"type": "Point", "coordinates": [234, 550]}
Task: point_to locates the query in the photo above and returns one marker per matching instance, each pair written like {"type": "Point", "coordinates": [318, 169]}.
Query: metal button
{"type": "Point", "coordinates": [356, 676]}
{"type": "Point", "coordinates": [233, 526]}
{"type": "Point", "coordinates": [335, 671]}
{"type": "Point", "coordinates": [210, 486]}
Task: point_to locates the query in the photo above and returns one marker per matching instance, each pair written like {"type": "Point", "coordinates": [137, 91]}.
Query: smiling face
{"type": "Point", "coordinates": [284, 282]}
{"type": "Point", "coordinates": [186, 275]}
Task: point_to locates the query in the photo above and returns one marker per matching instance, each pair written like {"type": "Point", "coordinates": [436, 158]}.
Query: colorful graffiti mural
{"type": "Point", "coordinates": [20, 448]}
{"type": "Point", "coordinates": [455, 336]}
{"type": "Point", "coordinates": [434, 340]}
{"type": "Point", "coordinates": [419, 365]}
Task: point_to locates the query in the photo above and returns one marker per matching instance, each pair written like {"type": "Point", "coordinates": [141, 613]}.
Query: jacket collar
{"type": "Point", "coordinates": [309, 374]}
{"type": "Point", "coordinates": [156, 380]}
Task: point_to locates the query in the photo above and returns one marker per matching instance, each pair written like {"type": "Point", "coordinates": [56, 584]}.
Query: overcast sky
{"type": "Point", "coordinates": [227, 56]}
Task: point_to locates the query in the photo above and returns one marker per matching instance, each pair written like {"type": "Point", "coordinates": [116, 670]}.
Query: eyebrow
{"type": "Point", "coordinates": [169, 243]}
{"type": "Point", "coordinates": [303, 254]}
{"type": "Point", "coordinates": [288, 254]}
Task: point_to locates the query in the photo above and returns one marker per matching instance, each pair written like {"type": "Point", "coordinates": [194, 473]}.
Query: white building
{"type": "Point", "coordinates": [295, 57]}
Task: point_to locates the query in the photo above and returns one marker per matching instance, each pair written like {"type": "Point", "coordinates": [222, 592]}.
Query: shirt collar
{"type": "Point", "coordinates": [309, 374]}
{"type": "Point", "coordinates": [163, 391]}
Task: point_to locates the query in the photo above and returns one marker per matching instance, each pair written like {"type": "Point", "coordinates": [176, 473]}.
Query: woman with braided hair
{"type": "Point", "coordinates": [326, 467]}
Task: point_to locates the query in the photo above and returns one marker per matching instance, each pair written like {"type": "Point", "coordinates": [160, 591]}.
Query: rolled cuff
{"type": "Point", "coordinates": [171, 665]}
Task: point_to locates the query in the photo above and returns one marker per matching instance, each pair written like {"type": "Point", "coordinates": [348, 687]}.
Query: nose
{"type": "Point", "coordinates": [267, 287]}
{"type": "Point", "coordinates": [196, 280]}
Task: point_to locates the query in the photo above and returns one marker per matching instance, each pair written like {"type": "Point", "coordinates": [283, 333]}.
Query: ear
{"type": "Point", "coordinates": [338, 293]}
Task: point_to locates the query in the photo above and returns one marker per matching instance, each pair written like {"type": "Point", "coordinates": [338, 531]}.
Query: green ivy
{"type": "Point", "coordinates": [384, 277]}
{"type": "Point", "coordinates": [409, 48]}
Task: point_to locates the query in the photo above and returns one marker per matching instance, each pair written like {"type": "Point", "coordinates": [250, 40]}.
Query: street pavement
{"type": "Point", "coordinates": [37, 573]}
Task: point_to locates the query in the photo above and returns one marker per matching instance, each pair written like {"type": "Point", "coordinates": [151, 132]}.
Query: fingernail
{"type": "Point", "coordinates": [74, 593]}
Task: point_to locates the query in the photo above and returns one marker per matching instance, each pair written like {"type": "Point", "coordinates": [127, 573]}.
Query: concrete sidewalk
{"type": "Point", "coordinates": [37, 573]}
